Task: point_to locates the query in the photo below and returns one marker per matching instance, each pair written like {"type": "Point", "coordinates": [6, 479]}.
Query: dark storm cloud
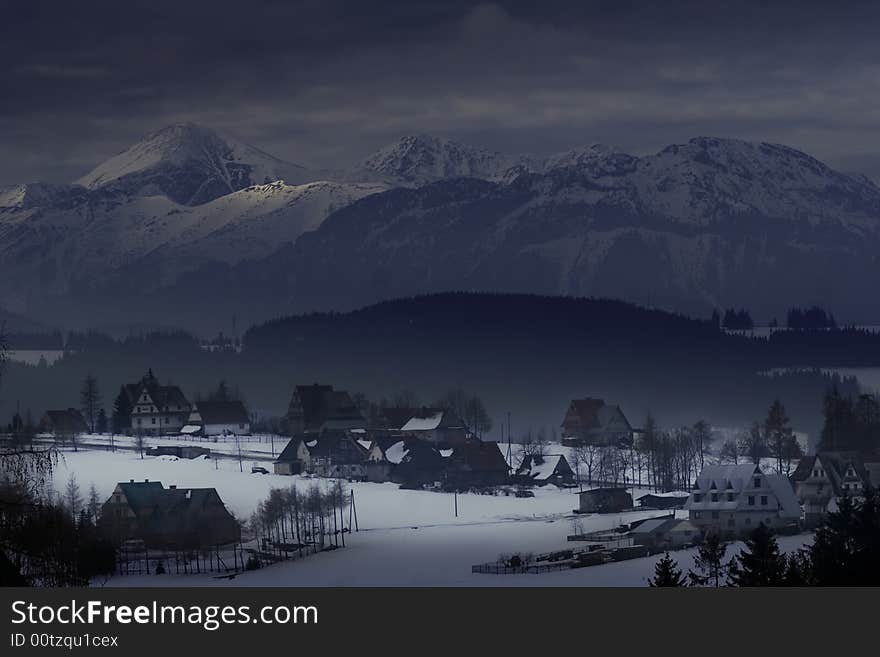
{"type": "Point", "coordinates": [326, 82]}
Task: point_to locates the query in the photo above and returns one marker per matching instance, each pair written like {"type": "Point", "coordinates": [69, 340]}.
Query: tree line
{"type": "Point", "coordinates": [290, 520]}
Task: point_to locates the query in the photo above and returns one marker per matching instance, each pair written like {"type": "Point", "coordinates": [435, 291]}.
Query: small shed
{"type": "Point", "coordinates": [665, 533]}
{"type": "Point", "coordinates": [672, 500]}
{"type": "Point", "coordinates": [288, 461]}
{"type": "Point", "coordinates": [604, 500]}
{"type": "Point", "coordinates": [180, 451]}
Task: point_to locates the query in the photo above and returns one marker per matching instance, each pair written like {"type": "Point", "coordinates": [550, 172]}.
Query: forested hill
{"type": "Point", "coordinates": [521, 353]}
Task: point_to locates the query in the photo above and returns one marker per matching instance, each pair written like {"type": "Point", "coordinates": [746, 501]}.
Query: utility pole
{"type": "Point", "coordinates": [509, 450]}
{"type": "Point", "coordinates": [354, 509]}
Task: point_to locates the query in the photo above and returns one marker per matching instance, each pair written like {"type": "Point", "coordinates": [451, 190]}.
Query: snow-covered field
{"type": "Point", "coordinates": [406, 538]}
{"type": "Point", "coordinates": [257, 446]}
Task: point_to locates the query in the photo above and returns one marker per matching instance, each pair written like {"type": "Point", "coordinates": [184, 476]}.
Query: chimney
{"type": "Point", "coordinates": [146, 481]}
{"type": "Point", "coordinates": [131, 481]}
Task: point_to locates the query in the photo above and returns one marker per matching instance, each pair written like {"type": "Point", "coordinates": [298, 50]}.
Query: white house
{"type": "Point", "coordinates": [158, 410]}
{"type": "Point", "coordinates": [819, 481]}
{"type": "Point", "coordinates": [734, 499]}
{"type": "Point", "coordinates": [218, 418]}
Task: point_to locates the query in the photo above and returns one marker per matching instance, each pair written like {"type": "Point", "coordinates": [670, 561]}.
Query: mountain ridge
{"type": "Point", "coordinates": [708, 223]}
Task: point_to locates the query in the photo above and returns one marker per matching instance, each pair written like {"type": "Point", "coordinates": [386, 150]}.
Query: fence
{"type": "Point", "coordinates": [500, 569]}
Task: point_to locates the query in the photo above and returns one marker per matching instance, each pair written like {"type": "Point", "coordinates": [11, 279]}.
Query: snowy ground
{"type": "Point", "coordinates": [256, 447]}
{"type": "Point", "coordinates": [406, 538]}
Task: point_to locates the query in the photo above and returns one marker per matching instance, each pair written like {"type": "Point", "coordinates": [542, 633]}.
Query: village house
{"type": "Point", "coordinates": [317, 408]}
{"type": "Point", "coordinates": [419, 464]}
{"type": "Point", "coordinates": [64, 424]}
{"type": "Point", "coordinates": [734, 499]}
{"type": "Point", "coordinates": [326, 454]}
{"type": "Point", "coordinates": [155, 409]}
{"type": "Point", "coordinates": [542, 470]}
{"type": "Point", "coordinates": [217, 418]}
{"type": "Point", "coordinates": [604, 500]}
{"type": "Point", "coordinates": [475, 463]}
{"type": "Point", "coordinates": [384, 453]}
{"type": "Point", "coordinates": [593, 422]}
{"type": "Point", "coordinates": [436, 425]}
{"type": "Point", "coordinates": [168, 518]}
{"type": "Point", "coordinates": [819, 481]}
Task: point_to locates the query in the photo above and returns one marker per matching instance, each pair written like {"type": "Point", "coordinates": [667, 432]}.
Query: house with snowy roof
{"type": "Point", "coordinates": [674, 499]}
{"type": "Point", "coordinates": [733, 499]}
{"type": "Point", "coordinates": [820, 480]}
{"type": "Point", "coordinates": [419, 464]}
{"type": "Point", "coordinates": [591, 421]}
{"type": "Point", "coordinates": [436, 425]}
{"type": "Point", "coordinates": [384, 453]}
{"type": "Point", "coordinates": [217, 418]}
{"type": "Point", "coordinates": [666, 533]}
{"type": "Point", "coordinates": [546, 469]}
{"type": "Point", "coordinates": [326, 454]}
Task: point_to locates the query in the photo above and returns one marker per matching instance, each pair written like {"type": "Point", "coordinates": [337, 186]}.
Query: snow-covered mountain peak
{"type": "Point", "coordinates": [421, 158]}
{"type": "Point", "coordinates": [190, 164]}
{"type": "Point", "coordinates": [595, 160]}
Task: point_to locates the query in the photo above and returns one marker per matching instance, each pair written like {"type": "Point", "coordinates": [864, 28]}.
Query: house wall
{"type": "Point", "coordinates": [287, 468]}
{"type": "Point", "coordinates": [736, 523]}
{"type": "Point", "coordinates": [239, 429]}
{"type": "Point", "coordinates": [377, 471]}
{"type": "Point", "coordinates": [155, 424]}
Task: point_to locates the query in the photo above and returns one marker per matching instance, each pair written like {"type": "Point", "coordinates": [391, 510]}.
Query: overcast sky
{"type": "Point", "coordinates": [325, 83]}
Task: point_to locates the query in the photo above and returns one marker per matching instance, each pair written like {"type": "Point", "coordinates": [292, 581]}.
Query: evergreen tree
{"type": "Point", "coordinates": [797, 569]}
{"type": "Point", "coordinates": [102, 425]}
{"type": "Point", "coordinates": [667, 573]}
{"type": "Point", "coordinates": [121, 419]}
{"type": "Point", "coordinates": [72, 497]}
{"type": "Point", "coordinates": [709, 566]}
{"type": "Point", "coordinates": [94, 503]}
{"type": "Point", "coordinates": [90, 401]}
{"type": "Point", "coordinates": [781, 441]}
{"type": "Point", "coordinates": [845, 548]}
{"type": "Point", "coordinates": [760, 563]}
{"type": "Point", "coordinates": [221, 394]}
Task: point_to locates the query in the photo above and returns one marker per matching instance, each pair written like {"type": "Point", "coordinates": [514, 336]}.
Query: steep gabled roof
{"type": "Point", "coordinates": [550, 465]}
{"type": "Point", "coordinates": [222, 412]}
{"type": "Point", "coordinates": [479, 455]}
{"type": "Point", "coordinates": [789, 507]}
{"type": "Point", "coordinates": [289, 453]}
